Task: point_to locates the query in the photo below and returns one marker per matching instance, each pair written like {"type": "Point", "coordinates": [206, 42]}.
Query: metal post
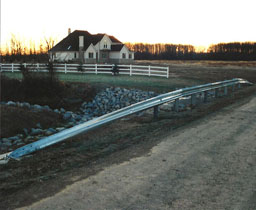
{"type": "Point", "coordinates": [167, 72]}
{"type": "Point", "coordinates": [193, 99]}
{"type": "Point", "coordinates": [96, 68]}
{"type": "Point", "coordinates": [37, 66]}
{"type": "Point", "coordinates": [225, 90]}
{"type": "Point", "coordinates": [156, 110]}
{"type": "Point", "coordinates": [12, 67]}
{"type": "Point", "coordinates": [130, 69]}
{"type": "Point", "coordinates": [217, 93]}
{"type": "Point", "coordinates": [205, 96]}
{"type": "Point", "coordinates": [149, 70]}
{"type": "Point", "coordinates": [65, 68]}
{"type": "Point", "coordinates": [176, 105]}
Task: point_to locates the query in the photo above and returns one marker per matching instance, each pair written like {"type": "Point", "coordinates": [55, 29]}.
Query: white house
{"type": "Point", "coordinates": [88, 48]}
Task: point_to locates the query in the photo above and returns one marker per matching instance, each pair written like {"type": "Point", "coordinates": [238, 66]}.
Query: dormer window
{"type": "Point", "coordinates": [105, 44]}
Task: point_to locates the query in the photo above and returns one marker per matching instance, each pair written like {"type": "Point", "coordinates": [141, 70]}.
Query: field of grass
{"type": "Point", "coordinates": [157, 84]}
{"type": "Point", "coordinates": [181, 74]}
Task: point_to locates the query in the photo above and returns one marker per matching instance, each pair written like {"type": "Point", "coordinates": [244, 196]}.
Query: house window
{"type": "Point", "coordinates": [103, 55]}
{"type": "Point", "coordinates": [91, 55]}
{"type": "Point", "coordinates": [130, 56]}
{"type": "Point", "coordinates": [105, 44]}
{"type": "Point", "coordinates": [123, 55]}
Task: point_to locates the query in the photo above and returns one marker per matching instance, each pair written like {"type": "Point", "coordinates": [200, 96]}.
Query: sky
{"type": "Point", "coordinates": [196, 22]}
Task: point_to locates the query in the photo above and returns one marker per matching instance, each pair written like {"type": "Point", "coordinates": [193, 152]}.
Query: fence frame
{"type": "Point", "coordinates": [124, 69]}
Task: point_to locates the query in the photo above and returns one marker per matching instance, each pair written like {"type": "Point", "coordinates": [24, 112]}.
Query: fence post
{"type": "Point", "coordinates": [216, 93]}
{"type": "Point", "coordinates": [167, 72]}
{"type": "Point", "coordinates": [193, 99]}
{"type": "Point", "coordinates": [130, 69]}
{"type": "Point", "coordinates": [37, 66]}
{"type": "Point", "coordinates": [0, 67]}
{"type": "Point", "coordinates": [149, 70]}
{"type": "Point", "coordinates": [96, 68]}
{"type": "Point", "coordinates": [225, 90]}
{"type": "Point", "coordinates": [233, 88]}
{"type": "Point", "coordinates": [205, 96]}
{"type": "Point", "coordinates": [12, 67]}
{"type": "Point", "coordinates": [156, 112]}
{"type": "Point", "coordinates": [176, 105]}
{"type": "Point", "coordinates": [65, 68]}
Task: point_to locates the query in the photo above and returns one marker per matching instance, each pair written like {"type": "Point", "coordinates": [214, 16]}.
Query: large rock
{"type": "Point", "coordinates": [56, 111]}
{"type": "Point", "coordinates": [14, 138]}
{"type": "Point", "coordinates": [26, 132]}
{"type": "Point", "coordinates": [26, 105]}
{"type": "Point", "coordinates": [36, 131]}
{"type": "Point", "coordinates": [36, 106]}
{"type": "Point", "coordinates": [47, 108]}
{"type": "Point", "coordinates": [50, 131]}
{"type": "Point", "coordinates": [11, 103]}
{"type": "Point", "coordinates": [67, 115]}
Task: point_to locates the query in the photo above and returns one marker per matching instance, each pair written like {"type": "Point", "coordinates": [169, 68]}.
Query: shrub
{"type": "Point", "coordinates": [80, 67]}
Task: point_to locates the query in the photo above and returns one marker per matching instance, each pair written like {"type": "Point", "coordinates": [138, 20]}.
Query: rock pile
{"type": "Point", "coordinates": [112, 99]}
{"type": "Point", "coordinates": [104, 102]}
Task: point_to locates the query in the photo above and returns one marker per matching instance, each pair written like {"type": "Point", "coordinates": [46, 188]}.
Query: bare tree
{"type": "Point", "coordinates": [50, 42]}
{"type": "Point", "coordinates": [16, 46]}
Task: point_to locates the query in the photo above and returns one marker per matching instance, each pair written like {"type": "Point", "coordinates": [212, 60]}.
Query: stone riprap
{"type": "Point", "coordinates": [112, 99]}
{"type": "Point", "coordinates": [106, 101]}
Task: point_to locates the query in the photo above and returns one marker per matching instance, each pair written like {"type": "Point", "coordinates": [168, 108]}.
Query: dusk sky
{"type": "Point", "coordinates": [196, 22]}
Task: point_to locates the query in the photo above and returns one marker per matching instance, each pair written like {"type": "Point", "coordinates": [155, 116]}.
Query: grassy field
{"type": "Point", "coordinates": [157, 84]}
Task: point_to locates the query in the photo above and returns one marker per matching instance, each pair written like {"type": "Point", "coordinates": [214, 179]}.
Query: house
{"type": "Point", "coordinates": [81, 46]}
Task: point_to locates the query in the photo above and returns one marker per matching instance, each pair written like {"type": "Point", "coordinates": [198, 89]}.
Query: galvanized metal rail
{"type": "Point", "coordinates": [150, 103]}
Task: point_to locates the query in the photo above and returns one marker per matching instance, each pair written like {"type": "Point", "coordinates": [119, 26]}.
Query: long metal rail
{"type": "Point", "coordinates": [150, 103]}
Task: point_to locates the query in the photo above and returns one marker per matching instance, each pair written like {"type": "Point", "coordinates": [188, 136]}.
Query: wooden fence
{"type": "Point", "coordinates": [158, 71]}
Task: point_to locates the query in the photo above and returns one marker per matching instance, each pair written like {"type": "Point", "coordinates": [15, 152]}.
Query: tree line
{"type": "Point", "coordinates": [161, 51]}
{"type": "Point", "coordinates": [233, 51]}
{"type": "Point", "coordinates": [18, 52]}
{"type": "Point", "coordinates": [221, 51]}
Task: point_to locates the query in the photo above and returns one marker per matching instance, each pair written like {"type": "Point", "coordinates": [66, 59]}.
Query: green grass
{"type": "Point", "coordinates": [157, 84]}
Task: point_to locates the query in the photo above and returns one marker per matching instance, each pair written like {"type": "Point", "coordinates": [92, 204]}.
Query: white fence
{"type": "Point", "coordinates": [158, 71]}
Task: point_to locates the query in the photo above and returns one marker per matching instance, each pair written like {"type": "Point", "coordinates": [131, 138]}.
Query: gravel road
{"type": "Point", "coordinates": [208, 164]}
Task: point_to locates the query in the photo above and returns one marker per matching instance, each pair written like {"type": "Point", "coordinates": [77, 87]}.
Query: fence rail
{"type": "Point", "coordinates": [150, 103]}
{"type": "Point", "coordinates": [158, 71]}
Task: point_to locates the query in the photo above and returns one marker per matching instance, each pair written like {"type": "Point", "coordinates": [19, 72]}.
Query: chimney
{"type": "Point", "coordinates": [81, 47]}
{"type": "Point", "coordinates": [69, 31]}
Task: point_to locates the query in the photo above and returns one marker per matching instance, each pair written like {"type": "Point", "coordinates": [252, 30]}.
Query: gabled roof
{"type": "Point", "coordinates": [71, 42]}
{"type": "Point", "coordinates": [114, 39]}
{"type": "Point", "coordinates": [116, 47]}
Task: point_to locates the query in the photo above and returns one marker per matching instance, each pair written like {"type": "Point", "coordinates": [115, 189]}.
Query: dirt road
{"type": "Point", "coordinates": [208, 164]}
